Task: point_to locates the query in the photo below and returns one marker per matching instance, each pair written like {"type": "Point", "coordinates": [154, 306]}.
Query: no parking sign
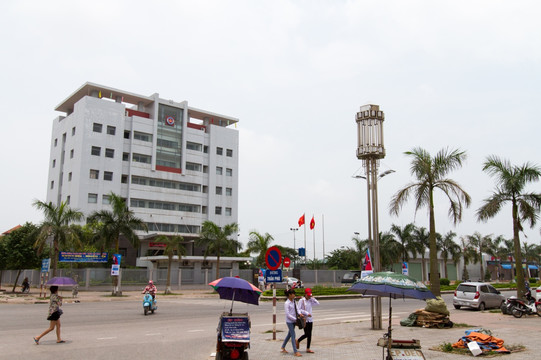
{"type": "Point", "coordinates": [273, 258]}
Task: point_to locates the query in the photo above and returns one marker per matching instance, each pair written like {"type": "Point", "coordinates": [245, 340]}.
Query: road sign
{"type": "Point", "coordinates": [287, 262]}
{"type": "Point", "coordinates": [273, 275]}
{"type": "Point", "coordinates": [273, 258]}
{"type": "Point", "coordinates": [45, 265]}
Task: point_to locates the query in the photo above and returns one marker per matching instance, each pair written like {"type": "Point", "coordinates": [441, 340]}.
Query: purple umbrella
{"type": "Point", "coordinates": [234, 288]}
{"type": "Point", "coordinates": [61, 281]}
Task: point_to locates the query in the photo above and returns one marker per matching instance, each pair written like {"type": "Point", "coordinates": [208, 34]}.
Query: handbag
{"type": "Point", "coordinates": [301, 321]}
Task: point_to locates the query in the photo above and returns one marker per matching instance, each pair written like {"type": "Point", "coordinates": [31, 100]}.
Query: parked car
{"type": "Point", "coordinates": [537, 293]}
{"type": "Point", "coordinates": [292, 282]}
{"type": "Point", "coordinates": [351, 277]}
{"type": "Point", "coordinates": [477, 295]}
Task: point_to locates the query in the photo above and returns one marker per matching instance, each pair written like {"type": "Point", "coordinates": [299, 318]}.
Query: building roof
{"type": "Point", "coordinates": [11, 230]}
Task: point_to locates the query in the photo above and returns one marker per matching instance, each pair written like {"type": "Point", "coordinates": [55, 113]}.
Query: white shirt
{"type": "Point", "coordinates": [305, 307]}
{"type": "Point", "coordinates": [289, 308]}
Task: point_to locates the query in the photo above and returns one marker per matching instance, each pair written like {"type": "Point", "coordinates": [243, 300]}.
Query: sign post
{"type": "Point", "coordinates": [273, 258]}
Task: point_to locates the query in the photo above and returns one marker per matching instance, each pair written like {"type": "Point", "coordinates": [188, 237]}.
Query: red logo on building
{"type": "Point", "coordinates": [170, 121]}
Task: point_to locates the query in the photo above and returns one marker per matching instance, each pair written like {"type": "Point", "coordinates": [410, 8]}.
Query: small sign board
{"type": "Point", "coordinates": [287, 262]}
{"type": "Point", "coordinates": [236, 329]}
{"type": "Point", "coordinates": [91, 257]}
{"type": "Point", "coordinates": [406, 354]}
{"type": "Point", "coordinates": [45, 265]}
{"type": "Point", "coordinates": [115, 269]}
{"type": "Point", "coordinates": [273, 276]}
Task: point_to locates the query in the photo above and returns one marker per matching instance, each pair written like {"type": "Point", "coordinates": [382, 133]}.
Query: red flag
{"type": "Point", "coordinates": [312, 224]}
{"type": "Point", "coordinates": [367, 262]}
{"type": "Point", "coordinates": [301, 220]}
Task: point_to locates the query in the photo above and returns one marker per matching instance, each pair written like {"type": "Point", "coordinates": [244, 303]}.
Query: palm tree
{"type": "Point", "coordinates": [482, 243]}
{"type": "Point", "coordinates": [468, 254]}
{"type": "Point", "coordinates": [510, 188]}
{"type": "Point", "coordinates": [430, 174]}
{"type": "Point", "coordinates": [121, 221]}
{"type": "Point", "coordinates": [259, 244]}
{"type": "Point", "coordinates": [389, 249]}
{"type": "Point", "coordinates": [531, 253]}
{"type": "Point", "coordinates": [405, 238]}
{"type": "Point", "coordinates": [57, 224]}
{"type": "Point", "coordinates": [216, 240]}
{"type": "Point", "coordinates": [361, 246]}
{"type": "Point", "coordinates": [448, 248]}
{"type": "Point", "coordinates": [420, 236]}
{"type": "Point", "coordinates": [173, 246]}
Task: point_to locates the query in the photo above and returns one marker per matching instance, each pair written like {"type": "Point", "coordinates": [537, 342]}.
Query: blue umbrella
{"type": "Point", "coordinates": [395, 286]}
{"type": "Point", "coordinates": [61, 281]}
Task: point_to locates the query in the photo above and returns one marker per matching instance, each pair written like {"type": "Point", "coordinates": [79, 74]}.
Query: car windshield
{"type": "Point", "coordinates": [348, 276]}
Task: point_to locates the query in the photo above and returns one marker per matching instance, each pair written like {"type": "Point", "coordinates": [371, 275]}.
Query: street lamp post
{"type": "Point", "coordinates": [294, 247]}
{"type": "Point", "coordinates": [370, 149]}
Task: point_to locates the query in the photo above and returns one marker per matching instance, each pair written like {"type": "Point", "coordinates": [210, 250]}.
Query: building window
{"type": "Point", "coordinates": [94, 174]}
{"type": "Point", "coordinates": [205, 169]}
{"type": "Point", "coordinates": [219, 170]}
{"type": "Point", "coordinates": [110, 153]}
{"type": "Point", "coordinates": [105, 199]}
{"type": "Point", "coordinates": [228, 172]}
{"type": "Point", "coordinates": [111, 130]}
{"type": "Point", "coordinates": [203, 210]}
{"type": "Point", "coordinates": [206, 149]}
{"type": "Point", "coordinates": [96, 150]}
{"type": "Point", "coordinates": [228, 192]}
{"type": "Point", "coordinates": [97, 127]}
{"type": "Point", "coordinates": [54, 162]}
{"type": "Point", "coordinates": [52, 184]}
{"type": "Point", "coordinates": [69, 176]}
{"type": "Point", "coordinates": [142, 136]}
{"type": "Point", "coordinates": [229, 153]}
{"type": "Point", "coordinates": [126, 134]}
{"type": "Point", "coordinates": [71, 154]}
{"type": "Point", "coordinates": [193, 166]}
{"type": "Point", "coordinates": [68, 199]}
{"type": "Point", "coordinates": [205, 189]}
{"type": "Point", "coordinates": [145, 159]}
{"type": "Point", "coordinates": [73, 131]}
{"type": "Point", "coordinates": [107, 175]}
{"type": "Point", "coordinates": [124, 179]}
{"type": "Point", "coordinates": [92, 198]}
{"type": "Point", "coordinates": [125, 156]}
{"type": "Point", "coordinates": [218, 190]}
{"type": "Point", "coordinates": [227, 211]}
{"type": "Point", "coordinates": [218, 210]}
{"type": "Point", "coordinates": [194, 146]}
{"type": "Point", "coordinates": [219, 151]}
{"type": "Point", "coordinates": [55, 142]}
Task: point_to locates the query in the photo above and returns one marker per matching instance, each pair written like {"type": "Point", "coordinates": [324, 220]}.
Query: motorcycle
{"type": "Point", "coordinates": [149, 304]}
{"type": "Point", "coordinates": [518, 307]}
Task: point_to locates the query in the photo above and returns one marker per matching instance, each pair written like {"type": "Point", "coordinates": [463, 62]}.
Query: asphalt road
{"type": "Point", "coordinates": [180, 329]}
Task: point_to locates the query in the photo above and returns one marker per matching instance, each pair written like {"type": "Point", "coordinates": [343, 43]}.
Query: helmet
{"type": "Point", "coordinates": [150, 282]}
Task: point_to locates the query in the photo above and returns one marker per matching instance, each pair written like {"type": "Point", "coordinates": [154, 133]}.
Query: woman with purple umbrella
{"type": "Point", "coordinates": [55, 302]}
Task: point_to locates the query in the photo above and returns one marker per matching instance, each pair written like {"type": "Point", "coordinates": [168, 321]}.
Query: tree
{"type": "Point", "coordinates": [346, 258]}
{"type": "Point", "coordinates": [361, 247]}
{"type": "Point", "coordinates": [20, 252]}
{"type": "Point", "coordinates": [420, 236]}
{"type": "Point", "coordinates": [510, 188]}
{"type": "Point", "coordinates": [482, 243]}
{"type": "Point", "coordinates": [259, 244]}
{"type": "Point", "coordinates": [448, 248]}
{"type": "Point", "coordinates": [430, 174]}
{"type": "Point", "coordinates": [531, 254]}
{"type": "Point", "coordinates": [121, 221]}
{"type": "Point", "coordinates": [58, 226]}
{"type": "Point", "coordinates": [404, 236]}
{"type": "Point", "coordinates": [173, 246]}
{"type": "Point", "coordinates": [468, 254]}
{"type": "Point", "coordinates": [389, 249]}
{"type": "Point", "coordinates": [216, 240]}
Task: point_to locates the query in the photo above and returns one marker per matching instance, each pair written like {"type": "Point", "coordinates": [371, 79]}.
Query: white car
{"type": "Point", "coordinates": [293, 283]}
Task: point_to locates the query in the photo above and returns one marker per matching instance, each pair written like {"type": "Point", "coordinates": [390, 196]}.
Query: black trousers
{"type": "Point", "coordinates": [307, 334]}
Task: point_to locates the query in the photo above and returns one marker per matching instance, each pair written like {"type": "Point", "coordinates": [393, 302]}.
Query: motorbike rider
{"type": "Point", "coordinates": [151, 288]}
{"type": "Point", "coordinates": [25, 284]}
{"type": "Point", "coordinates": [528, 293]}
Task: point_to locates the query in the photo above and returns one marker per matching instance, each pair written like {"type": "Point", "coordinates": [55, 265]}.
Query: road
{"type": "Point", "coordinates": [180, 329]}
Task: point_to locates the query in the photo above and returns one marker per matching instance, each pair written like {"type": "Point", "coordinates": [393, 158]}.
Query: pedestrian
{"type": "Point", "coordinates": [305, 307]}
{"type": "Point", "coordinates": [55, 302]}
{"type": "Point", "coordinates": [291, 318]}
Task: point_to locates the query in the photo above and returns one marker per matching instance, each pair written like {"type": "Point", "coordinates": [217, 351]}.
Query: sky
{"type": "Point", "coordinates": [459, 75]}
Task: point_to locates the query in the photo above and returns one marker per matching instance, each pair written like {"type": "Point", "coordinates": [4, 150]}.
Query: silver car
{"type": "Point", "coordinates": [477, 295]}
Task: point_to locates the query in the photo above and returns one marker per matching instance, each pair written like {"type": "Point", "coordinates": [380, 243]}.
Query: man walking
{"type": "Point", "coordinates": [305, 307]}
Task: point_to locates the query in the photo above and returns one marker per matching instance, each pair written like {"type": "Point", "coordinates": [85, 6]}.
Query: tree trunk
{"type": "Point", "coordinates": [434, 273]}
{"type": "Point", "coordinates": [423, 268]}
{"type": "Point", "coordinates": [481, 261]}
{"type": "Point", "coordinates": [445, 268]}
{"type": "Point", "coordinates": [16, 280]}
{"type": "Point", "coordinates": [168, 282]}
{"type": "Point", "coordinates": [521, 288]}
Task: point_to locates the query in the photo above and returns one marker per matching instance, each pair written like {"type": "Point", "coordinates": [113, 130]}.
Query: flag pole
{"type": "Point", "coordinates": [304, 242]}
{"type": "Point", "coordinates": [323, 234]}
{"type": "Point", "coordinates": [314, 238]}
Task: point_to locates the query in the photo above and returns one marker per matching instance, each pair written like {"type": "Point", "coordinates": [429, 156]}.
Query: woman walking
{"type": "Point", "coordinates": [305, 307]}
{"type": "Point", "coordinates": [55, 302]}
{"type": "Point", "coordinates": [291, 318]}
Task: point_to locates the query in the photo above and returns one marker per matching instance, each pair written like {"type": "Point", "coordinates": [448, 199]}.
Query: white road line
{"type": "Point", "coordinates": [107, 338]}
{"type": "Point", "coordinates": [155, 334]}
{"type": "Point", "coordinates": [195, 330]}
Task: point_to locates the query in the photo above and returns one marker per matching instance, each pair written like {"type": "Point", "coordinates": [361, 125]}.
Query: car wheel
{"type": "Point", "coordinates": [457, 307]}
{"type": "Point", "coordinates": [503, 308]}
{"type": "Point", "coordinates": [482, 306]}
{"type": "Point", "coordinates": [538, 307]}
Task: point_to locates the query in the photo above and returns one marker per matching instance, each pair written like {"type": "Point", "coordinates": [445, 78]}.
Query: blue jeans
{"type": "Point", "coordinates": [290, 334]}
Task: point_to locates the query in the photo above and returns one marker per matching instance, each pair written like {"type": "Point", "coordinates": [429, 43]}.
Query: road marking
{"type": "Point", "coordinates": [195, 330]}
{"type": "Point", "coordinates": [155, 334]}
{"type": "Point", "coordinates": [107, 338]}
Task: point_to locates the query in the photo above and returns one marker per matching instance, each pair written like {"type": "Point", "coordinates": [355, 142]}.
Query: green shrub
{"type": "Point", "coordinates": [532, 280]}
{"type": "Point", "coordinates": [444, 281]}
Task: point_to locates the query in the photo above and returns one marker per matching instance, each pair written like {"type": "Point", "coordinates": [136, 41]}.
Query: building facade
{"type": "Point", "coordinates": [175, 165]}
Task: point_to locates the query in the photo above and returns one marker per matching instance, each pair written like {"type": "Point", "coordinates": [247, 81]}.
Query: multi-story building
{"type": "Point", "coordinates": [175, 165]}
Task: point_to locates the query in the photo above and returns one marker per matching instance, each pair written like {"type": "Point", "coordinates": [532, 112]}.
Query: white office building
{"type": "Point", "coordinates": [175, 165]}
